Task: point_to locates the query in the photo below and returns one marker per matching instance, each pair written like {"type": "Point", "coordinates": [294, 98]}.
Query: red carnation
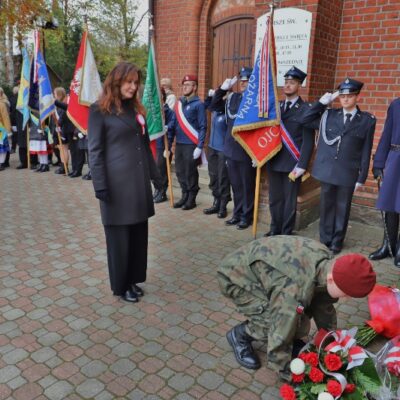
{"type": "Point", "coordinates": [298, 378]}
{"type": "Point", "coordinates": [334, 388]}
{"type": "Point", "coordinates": [310, 358]}
{"type": "Point", "coordinates": [287, 392]}
{"type": "Point", "coordinates": [316, 375]}
{"type": "Point", "coordinates": [394, 368]}
{"type": "Point", "coordinates": [333, 362]}
{"type": "Point", "coordinates": [350, 388]}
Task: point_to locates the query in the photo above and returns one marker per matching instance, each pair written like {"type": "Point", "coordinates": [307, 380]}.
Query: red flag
{"type": "Point", "coordinates": [85, 86]}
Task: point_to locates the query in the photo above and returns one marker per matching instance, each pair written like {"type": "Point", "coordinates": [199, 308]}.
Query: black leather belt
{"type": "Point", "coordinates": [395, 147]}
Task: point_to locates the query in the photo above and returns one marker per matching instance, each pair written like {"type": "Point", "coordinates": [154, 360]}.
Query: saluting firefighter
{"type": "Point", "coordinates": [293, 158]}
{"type": "Point", "coordinates": [387, 167]}
{"type": "Point", "coordinates": [189, 126]}
{"type": "Point", "coordinates": [342, 159]}
{"type": "Point", "coordinates": [241, 173]}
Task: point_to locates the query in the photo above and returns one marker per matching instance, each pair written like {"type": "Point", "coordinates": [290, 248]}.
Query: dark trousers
{"type": "Point", "coordinates": [77, 156]}
{"type": "Point", "coordinates": [218, 173]}
{"type": "Point", "coordinates": [335, 204]}
{"type": "Point", "coordinates": [186, 168]}
{"type": "Point", "coordinates": [23, 156]}
{"type": "Point", "coordinates": [243, 178]}
{"type": "Point", "coordinates": [14, 140]}
{"type": "Point", "coordinates": [126, 255]}
{"type": "Point", "coordinates": [162, 168]}
{"type": "Point", "coordinates": [282, 202]}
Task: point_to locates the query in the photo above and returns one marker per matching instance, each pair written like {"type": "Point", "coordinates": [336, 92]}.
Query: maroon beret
{"type": "Point", "coordinates": [189, 77]}
{"type": "Point", "coordinates": [354, 275]}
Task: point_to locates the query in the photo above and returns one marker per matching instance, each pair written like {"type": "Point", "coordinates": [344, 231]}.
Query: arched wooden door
{"type": "Point", "coordinates": [232, 48]}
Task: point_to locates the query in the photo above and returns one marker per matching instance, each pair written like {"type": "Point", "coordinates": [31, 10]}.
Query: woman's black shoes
{"type": "Point", "coordinates": [130, 296]}
{"type": "Point", "coordinates": [137, 290]}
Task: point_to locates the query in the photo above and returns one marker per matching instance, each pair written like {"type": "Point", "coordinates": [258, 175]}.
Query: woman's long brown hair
{"type": "Point", "coordinates": [110, 101]}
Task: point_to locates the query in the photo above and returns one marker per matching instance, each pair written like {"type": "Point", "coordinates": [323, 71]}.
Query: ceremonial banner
{"type": "Point", "coordinates": [257, 124]}
{"type": "Point", "coordinates": [152, 98]}
{"type": "Point", "coordinates": [23, 92]}
{"type": "Point", "coordinates": [46, 99]}
{"type": "Point", "coordinates": [85, 87]}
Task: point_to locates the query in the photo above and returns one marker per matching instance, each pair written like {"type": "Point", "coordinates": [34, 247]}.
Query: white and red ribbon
{"type": "Point", "coordinates": [188, 129]}
{"type": "Point", "coordinates": [142, 122]}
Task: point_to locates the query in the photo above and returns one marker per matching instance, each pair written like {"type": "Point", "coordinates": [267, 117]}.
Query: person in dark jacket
{"type": "Point", "coordinates": [217, 171]}
{"type": "Point", "coordinates": [386, 167]}
{"type": "Point", "coordinates": [342, 159]}
{"type": "Point", "coordinates": [161, 195]}
{"type": "Point", "coordinates": [285, 165]}
{"type": "Point", "coordinates": [122, 167]}
{"type": "Point", "coordinates": [189, 127]}
{"type": "Point", "coordinates": [241, 173]}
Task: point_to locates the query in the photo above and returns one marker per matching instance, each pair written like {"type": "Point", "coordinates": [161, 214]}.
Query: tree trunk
{"type": "Point", "coordinates": [3, 48]}
{"type": "Point", "coordinates": [10, 55]}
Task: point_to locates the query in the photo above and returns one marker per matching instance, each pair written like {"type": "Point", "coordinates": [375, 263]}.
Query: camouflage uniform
{"type": "Point", "coordinates": [269, 279]}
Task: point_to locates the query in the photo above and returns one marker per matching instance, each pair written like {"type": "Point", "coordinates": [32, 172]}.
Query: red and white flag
{"type": "Point", "coordinates": [85, 87]}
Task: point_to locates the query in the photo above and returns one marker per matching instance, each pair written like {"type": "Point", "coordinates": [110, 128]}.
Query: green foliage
{"type": "Point", "coordinates": [356, 395]}
{"type": "Point", "coordinates": [366, 377]}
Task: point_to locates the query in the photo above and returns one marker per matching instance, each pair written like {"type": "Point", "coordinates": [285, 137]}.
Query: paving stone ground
{"type": "Point", "coordinates": [64, 336]}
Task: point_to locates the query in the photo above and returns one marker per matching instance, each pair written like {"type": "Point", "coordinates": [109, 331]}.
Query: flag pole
{"type": "Point", "coordinates": [167, 160]}
{"type": "Point", "coordinates": [256, 201]}
{"type": "Point", "coordinates": [27, 146]}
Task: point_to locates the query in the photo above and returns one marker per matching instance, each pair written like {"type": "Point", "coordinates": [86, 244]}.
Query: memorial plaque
{"type": "Point", "coordinates": [292, 29]}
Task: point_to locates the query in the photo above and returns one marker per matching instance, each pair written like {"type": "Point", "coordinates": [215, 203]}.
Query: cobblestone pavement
{"type": "Point", "coordinates": [64, 336]}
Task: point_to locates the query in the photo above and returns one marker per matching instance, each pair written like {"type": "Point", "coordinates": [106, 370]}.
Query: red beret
{"type": "Point", "coordinates": [354, 275]}
{"type": "Point", "coordinates": [190, 78]}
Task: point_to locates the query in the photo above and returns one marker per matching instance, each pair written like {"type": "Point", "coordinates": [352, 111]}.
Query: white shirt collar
{"type": "Point", "coordinates": [292, 101]}
{"type": "Point", "coordinates": [353, 113]}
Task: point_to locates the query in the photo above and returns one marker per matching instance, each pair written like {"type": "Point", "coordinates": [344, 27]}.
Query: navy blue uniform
{"type": "Point", "coordinates": [241, 173]}
{"type": "Point", "coordinates": [340, 166]}
{"type": "Point", "coordinates": [283, 191]}
{"type": "Point", "coordinates": [186, 166]}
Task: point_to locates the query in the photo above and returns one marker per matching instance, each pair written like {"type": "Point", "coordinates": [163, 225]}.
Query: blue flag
{"type": "Point", "coordinates": [46, 99]}
{"type": "Point", "coordinates": [23, 93]}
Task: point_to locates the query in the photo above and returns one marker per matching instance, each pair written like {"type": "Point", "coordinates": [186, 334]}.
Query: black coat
{"type": "Point", "coordinates": [351, 163]}
{"type": "Point", "coordinates": [121, 162]}
{"type": "Point", "coordinates": [232, 148]}
{"type": "Point", "coordinates": [303, 137]}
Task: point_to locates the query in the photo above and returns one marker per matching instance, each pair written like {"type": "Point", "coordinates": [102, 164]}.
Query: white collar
{"type": "Point", "coordinates": [292, 101]}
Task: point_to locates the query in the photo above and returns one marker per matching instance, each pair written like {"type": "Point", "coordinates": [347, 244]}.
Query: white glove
{"type": "Point", "coordinates": [211, 93]}
{"type": "Point", "coordinates": [164, 154]}
{"type": "Point", "coordinates": [358, 185]}
{"type": "Point", "coordinates": [326, 99]}
{"type": "Point", "coordinates": [81, 135]}
{"type": "Point", "coordinates": [196, 153]}
{"type": "Point", "coordinates": [254, 163]}
{"type": "Point", "coordinates": [297, 172]}
{"type": "Point", "coordinates": [335, 95]}
{"type": "Point", "coordinates": [14, 128]}
{"type": "Point", "coordinates": [228, 83]}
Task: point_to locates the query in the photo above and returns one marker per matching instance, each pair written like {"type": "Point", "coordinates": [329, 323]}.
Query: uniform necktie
{"type": "Point", "coordinates": [287, 105]}
{"type": "Point", "coordinates": [348, 119]}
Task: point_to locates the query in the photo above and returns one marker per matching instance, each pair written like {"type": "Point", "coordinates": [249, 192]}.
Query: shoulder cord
{"type": "Point", "coordinates": [227, 108]}
{"type": "Point", "coordinates": [322, 130]}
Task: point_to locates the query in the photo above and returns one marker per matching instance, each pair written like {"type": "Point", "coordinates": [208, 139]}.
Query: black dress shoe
{"type": "Point", "coordinates": [137, 289]}
{"type": "Point", "coordinates": [242, 348]}
{"type": "Point", "coordinates": [44, 168]}
{"type": "Point", "coordinates": [335, 249]}
{"type": "Point", "coordinates": [180, 202]}
{"type": "Point", "coordinates": [160, 198]}
{"type": "Point", "coordinates": [242, 225]}
{"type": "Point", "coordinates": [271, 233]}
{"type": "Point", "coordinates": [189, 205]}
{"type": "Point", "coordinates": [39, 168]}
{"type": "Point", "coordinates": [383, 251]}
{"type": "Point", "coordinates": [2, 167]}
{"type": "Point", "coordinates": [87, 177]}
{"type": "Point", "coordinates": [213, 209]}
{"type": "Point", "coordinates": [60, 171]}
{"type": "Point", "coordinates": [232, 221]}
{"type": "Point", "coordinates": [22, 166]}
{"type": "Point", "coordinates": [130, 296]}
{"type": "Point", "coordinates": [75, 174]}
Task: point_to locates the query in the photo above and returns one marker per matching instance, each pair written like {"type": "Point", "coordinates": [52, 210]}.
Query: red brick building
{"type": "Point", "coordinates": [356, 38]}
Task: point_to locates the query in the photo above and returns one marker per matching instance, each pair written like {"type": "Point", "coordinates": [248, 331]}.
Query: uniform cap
{"type": "Point", "coordinates": [354, 275]}
{"type": "Point", "coordinates": [349, 86]}
{"type": "Point", "coordinates": [295, 73]}
{"type": "Point", "coordinates": [245, 73]}
{"type": "Point", "coordinates": [189, 78]}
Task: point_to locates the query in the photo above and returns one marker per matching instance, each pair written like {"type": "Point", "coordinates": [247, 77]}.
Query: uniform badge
{"type": "Point", "coordinates": [141, 121]}
{"type": "Point", "coordinates": [300, 309]}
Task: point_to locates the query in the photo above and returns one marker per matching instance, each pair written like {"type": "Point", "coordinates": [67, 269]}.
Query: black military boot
{"type": "Point", "coordinates": [242, 348]}
{"type": "Point", "coordinates": [214, 208]}
{"type": "Point", "coordinates": [182, 201]}
{"type": "Point", "coordinates": [223, 212]}
{"type": "Point", "coordinates": [389, 242]}
{"type": "Point", "coordinates": [191, 202]}
{"type": "Point", "coordinates": [397, 256]}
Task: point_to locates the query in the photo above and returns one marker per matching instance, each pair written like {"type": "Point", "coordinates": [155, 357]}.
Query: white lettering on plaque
{"type": "Point", "coordinates": [292, 28]}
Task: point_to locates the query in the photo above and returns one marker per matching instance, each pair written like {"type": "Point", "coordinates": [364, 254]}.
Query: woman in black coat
{"type": "Point", "coordinates": [122, 168]}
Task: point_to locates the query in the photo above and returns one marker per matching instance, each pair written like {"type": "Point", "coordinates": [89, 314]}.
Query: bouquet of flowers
{"type": "Point", "coordinates": [387, 362]}
{"type": "Point", "coordinates": [333, 367]}
{"type": "Point", "coordinates": [384, 307]}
